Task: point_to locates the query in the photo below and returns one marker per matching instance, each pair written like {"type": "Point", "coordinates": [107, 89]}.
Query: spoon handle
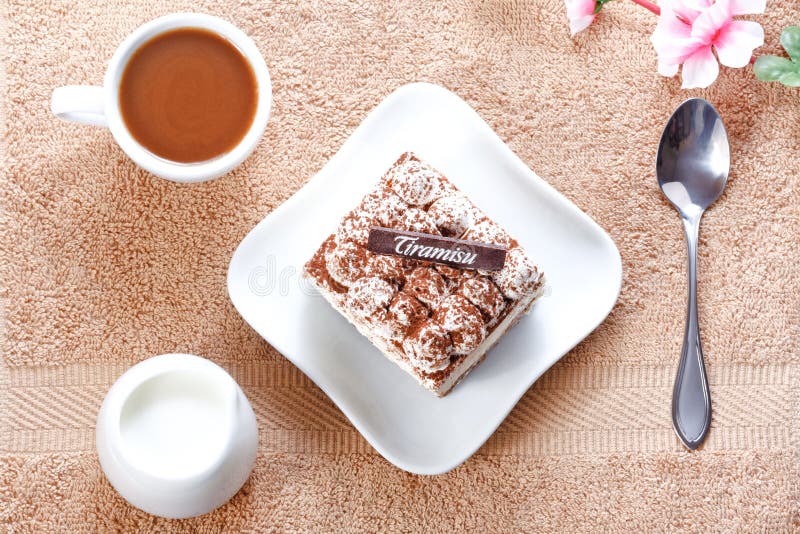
{"type": "Point", "coordinates": [691, 398]}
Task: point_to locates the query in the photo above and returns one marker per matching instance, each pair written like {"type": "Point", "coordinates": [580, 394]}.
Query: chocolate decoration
{"type": "Point", "coordinates": [459, 253]}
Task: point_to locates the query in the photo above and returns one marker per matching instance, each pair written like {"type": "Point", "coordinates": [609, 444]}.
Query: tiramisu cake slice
{"type": "Point", "coordinates": [425, 275]}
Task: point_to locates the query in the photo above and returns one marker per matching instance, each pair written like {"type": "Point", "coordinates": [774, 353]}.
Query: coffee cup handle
{"type": "Point", "coordinates": [79, 103]}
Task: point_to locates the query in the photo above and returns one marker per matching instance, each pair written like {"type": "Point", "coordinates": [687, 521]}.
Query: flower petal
{"type": "Point", "coordinates": [700, 69]}
{"type": "Point", "coordinates": [580, 14]}
{"type": "Point", "coordinates": [736, 42]}
{"type": "Point", "coordinates": [580, 24]}
{"type": "Point", "coordinates": [711, 21]}
{"type": "Point", "coordinates": [748, 7]}
{"type": "Point", "coordinates": [668, 69]}
{"type": "Point", "coordinates": [670, 26]}
{"type": "Point", "coordinates": [687, 10]}
{"type": "Point", "coordinates": [677, 50]}
{"type": "Point", "coordinates": [698, 5]}
{"type": "Point", "coordinates": [579, 8]}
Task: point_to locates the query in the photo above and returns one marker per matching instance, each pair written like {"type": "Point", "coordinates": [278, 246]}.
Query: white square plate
{"type": "Point", "coordinates": [407, 424]}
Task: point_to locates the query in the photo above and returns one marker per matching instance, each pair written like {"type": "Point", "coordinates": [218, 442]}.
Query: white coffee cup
{"type": "Point", "coordinates": [176, 436]}
{"type": "Point", "coordinates": [100, 105]}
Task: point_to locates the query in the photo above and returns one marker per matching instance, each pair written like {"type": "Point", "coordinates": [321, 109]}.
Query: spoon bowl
{"type": "Point", "coordinates": [693, 158]}
{"type": "Point", "coordinates": [692, 168]}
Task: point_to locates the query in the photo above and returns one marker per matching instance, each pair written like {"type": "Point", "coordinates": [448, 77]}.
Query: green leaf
{"type": "Point", "coordinates": [790, 39]}
{"type": "Point", "coordinates": [598, 5]}
{"type": "Point", "coordinates": [772, 68]}
{"type": "Point", "coordinates": [791, 79]}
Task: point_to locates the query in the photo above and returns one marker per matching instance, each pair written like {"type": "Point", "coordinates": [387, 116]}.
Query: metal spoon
{"type": "Point", "coordinates": [692, 169]}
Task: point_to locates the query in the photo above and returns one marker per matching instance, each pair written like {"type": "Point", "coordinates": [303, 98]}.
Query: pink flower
{"type": "Point", "coordinates": [688, 29]}
{"type": "Point", "coordinates": [580, 13]}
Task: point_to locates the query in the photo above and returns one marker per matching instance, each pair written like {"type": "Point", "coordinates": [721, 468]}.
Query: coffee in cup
{"type": "Point", "coordinates": [186, 96]}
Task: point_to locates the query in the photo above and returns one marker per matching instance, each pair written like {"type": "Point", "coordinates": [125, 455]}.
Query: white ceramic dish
{"type": "Point", "coordinates": [176, 436]}
{"type": "Point", "coordinates": [408, 425]}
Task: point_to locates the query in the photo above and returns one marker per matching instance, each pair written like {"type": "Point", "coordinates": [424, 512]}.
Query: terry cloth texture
{"type": "Point", "coordinates": [104, 265]}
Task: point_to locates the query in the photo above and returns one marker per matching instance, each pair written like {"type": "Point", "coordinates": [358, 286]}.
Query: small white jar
{"type": "Point", "coordinates": [176, 436]}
